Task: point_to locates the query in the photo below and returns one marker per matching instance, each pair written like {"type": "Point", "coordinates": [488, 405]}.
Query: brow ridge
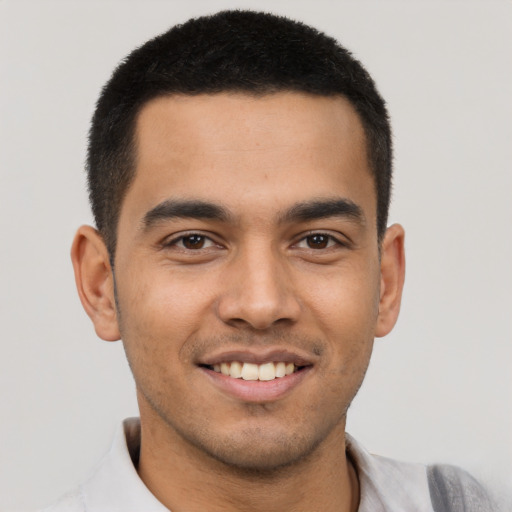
{"type": "Point", "coordinates": [300, 212]}
{"type": "Point", "coordinates": [184, 208]}
{"type": "Point", "coordinates": [323, 208]}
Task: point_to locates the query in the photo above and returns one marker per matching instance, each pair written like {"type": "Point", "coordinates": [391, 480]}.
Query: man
{"type": "Point", "coordinates": [239, 172]}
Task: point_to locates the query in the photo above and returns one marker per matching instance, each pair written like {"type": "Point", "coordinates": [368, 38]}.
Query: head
{"type": "Point", "coordinates": [239, 167]}
{"type": "Point", "coordinates": [232, 51]}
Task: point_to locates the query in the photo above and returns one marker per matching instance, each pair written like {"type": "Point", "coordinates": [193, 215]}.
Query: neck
{"type": "Point", "coordinates": [182, 477]}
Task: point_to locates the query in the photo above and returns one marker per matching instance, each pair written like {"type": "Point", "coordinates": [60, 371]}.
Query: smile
{"type": "Point", "coordinates": [257, 375]}
{"type": "Point", "coordinates": [251, 371]}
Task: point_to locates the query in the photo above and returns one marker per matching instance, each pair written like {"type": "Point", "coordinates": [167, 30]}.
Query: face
{"type": "Point", "coordinates": [247, 245]}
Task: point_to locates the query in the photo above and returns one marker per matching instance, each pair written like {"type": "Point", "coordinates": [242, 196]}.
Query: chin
{"type": "Point", "coordinates": [258, 452]}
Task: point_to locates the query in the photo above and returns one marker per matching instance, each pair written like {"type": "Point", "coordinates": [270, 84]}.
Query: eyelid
{"type": "Point", "coordinates": [338, 239]}
{"type": "Point", "coordinates": [173, 240]}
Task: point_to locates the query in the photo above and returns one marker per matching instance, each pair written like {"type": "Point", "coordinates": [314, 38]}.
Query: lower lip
{"type": "Point", "coordinates": [257, 391]}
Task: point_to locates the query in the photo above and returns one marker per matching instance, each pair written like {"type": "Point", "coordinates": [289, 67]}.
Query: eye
{"type": "Point", "coordinates": [192, 242]}
{"type": "Point", "coordinates": [318, 241]}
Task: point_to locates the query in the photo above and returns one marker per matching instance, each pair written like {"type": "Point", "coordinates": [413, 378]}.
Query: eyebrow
{"type": "Point", "coordinates": [324, 208]}
{"type": "Point", "coordinates": [299, 212]}
{"type": "Point", "coordinates": [185, 209]}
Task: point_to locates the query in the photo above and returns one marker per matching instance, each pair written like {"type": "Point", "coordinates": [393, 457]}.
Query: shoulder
{"type": "Point", "coordinates": [453, 489]}
{"type": "Point", "coordinates": [390, 485]}
{"type": "Point", "coordinates": [70, 502]}
{"type": "Point", "coordinates": [386, 484]}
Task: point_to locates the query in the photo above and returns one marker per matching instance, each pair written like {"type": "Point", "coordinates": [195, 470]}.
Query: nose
{"type": "Point", "coordinates": [258, 291]}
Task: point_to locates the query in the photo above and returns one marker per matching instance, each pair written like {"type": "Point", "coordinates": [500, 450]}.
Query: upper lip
{"type": "Point", "coordinates": [261, 356]}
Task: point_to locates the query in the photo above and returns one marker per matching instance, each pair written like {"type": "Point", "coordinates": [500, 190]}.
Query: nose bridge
{"type": "Point", "coordinates": [258, 290]}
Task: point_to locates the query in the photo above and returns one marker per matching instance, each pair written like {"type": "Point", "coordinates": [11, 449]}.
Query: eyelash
{"type": "Point", "coordinates": [180, 239]}
{"type": "Point", "coordinates": [332, 241]}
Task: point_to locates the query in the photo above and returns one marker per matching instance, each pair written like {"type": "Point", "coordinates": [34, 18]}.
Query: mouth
{"type": "Point", "coordinates": [257, 376]}
{"type": "Point", "coordinates": [252, 371]}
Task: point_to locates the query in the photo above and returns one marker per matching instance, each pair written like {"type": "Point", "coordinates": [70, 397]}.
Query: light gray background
{"type": "Point", "coordinates": [439, 387]}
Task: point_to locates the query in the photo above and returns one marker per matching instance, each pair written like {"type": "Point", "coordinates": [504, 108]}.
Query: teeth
{"type": "Point", "coordinates": [267, 371]}
{"type": "Point", "coordinates": [280, 369]}
{"type": "Point", "coordinates": [289, 369]}
{"type": "Point", "coordinates": [235, 370]}
{"type": "Point", "coordinates": [250, 371]}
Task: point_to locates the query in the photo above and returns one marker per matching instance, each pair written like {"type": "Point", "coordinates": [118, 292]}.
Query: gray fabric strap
{"type": "Point", "coordinates": [454, 490]}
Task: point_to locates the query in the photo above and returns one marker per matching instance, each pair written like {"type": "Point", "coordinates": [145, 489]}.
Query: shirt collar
{"type": "Point", "coordinates": [388, 485]}
{"type": "Point", "coordinates": [115, 484]}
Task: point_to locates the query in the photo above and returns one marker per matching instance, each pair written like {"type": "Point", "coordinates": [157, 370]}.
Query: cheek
{"type": "Point", "coordinates": [345, 309]}
{"type": "Point", "coordinates": [159, 312]}
{"type": "Point", "coordinates": [167, 298]}
{"type": "Point", "coordinates": [346, 298]}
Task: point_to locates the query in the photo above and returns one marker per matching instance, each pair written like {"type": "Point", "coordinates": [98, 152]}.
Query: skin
{"type": "Point", "coordinates": [256, 280]}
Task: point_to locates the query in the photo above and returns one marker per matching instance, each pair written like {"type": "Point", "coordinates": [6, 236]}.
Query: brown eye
{"type": "Point", "coordinates": [193, 241]}
{"type": "Point", "coordinates": [318, 241]}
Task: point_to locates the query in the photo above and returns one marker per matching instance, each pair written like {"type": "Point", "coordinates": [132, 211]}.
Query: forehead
{"type": "Point", "coordinates": [248, 151]}
{"type": "Point", "coordinates": [235, 122]}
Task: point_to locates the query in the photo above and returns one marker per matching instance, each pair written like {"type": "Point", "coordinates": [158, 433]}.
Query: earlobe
{"type": "Point", "coordinates": [95, 281]}
{"type": "Point", "coordinates": [392, 268]}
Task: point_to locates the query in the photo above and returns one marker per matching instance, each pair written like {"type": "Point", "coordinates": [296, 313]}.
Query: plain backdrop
{"type": "Point", "coordinates": [439, 387]}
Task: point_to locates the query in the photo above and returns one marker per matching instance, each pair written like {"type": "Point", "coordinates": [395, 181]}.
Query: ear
{"type": "Point", "coordinates": [392, 271]}
{"type": "Point", "coordinates": [95, 281]}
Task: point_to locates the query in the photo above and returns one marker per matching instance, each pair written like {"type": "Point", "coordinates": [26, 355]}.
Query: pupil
{"type": "Point", "coordinates": [317, 241]}
{"type": "Point", "coordinates": [193, 242]}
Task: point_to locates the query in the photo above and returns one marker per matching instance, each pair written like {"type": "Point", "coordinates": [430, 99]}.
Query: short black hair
{"type": "Point", "coordinates": [231, 51]}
